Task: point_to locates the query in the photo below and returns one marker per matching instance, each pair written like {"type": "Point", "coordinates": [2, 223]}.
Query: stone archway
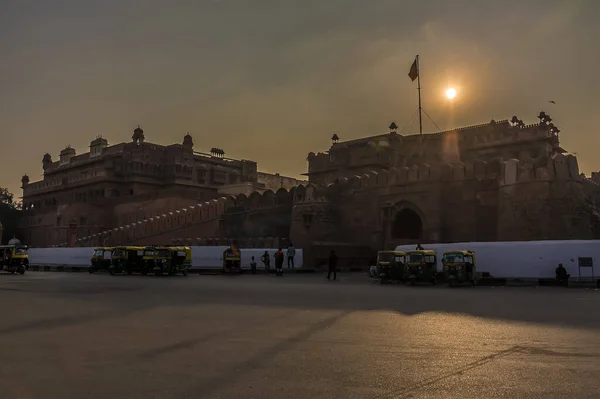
{"type": "Point", "coordinates": [407, 225]}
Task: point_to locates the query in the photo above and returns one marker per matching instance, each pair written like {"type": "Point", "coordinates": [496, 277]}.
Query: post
{"type": "Point", "coordinates": [419, 90]}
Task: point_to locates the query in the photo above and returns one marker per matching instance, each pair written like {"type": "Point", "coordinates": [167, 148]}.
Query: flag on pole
{"type": "Point", "coordinates": [414, 71]}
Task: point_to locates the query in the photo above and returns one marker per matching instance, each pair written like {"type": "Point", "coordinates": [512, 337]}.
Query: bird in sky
{"type": "Point", "coordinates": [552, 102]}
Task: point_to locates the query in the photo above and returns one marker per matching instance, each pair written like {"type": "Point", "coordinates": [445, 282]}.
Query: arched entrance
{"type": "Point", "coordinates": [407, 225]}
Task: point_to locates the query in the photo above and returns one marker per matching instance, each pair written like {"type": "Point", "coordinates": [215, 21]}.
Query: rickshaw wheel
{"type": "Point", "coordinates": [185, 272]}
{"type": "Point", "coordinates": [22, 270]}
{"type": "Point", "coordinates": [90, 270]}
{"type": "Point", "coordinates": [111, 271]}
{"type": "Point", "coordinates": [157, 274]}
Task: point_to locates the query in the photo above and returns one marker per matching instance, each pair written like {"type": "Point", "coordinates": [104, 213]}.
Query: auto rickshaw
{"type": "Point", "coordinates": [390, 266]}
{"type": "Point", "coordinates": [149, 259]}
{"type": "Point", "coordinates": [127, 259]}
{"type": "Point", "coordinates": [232, 261]}
{"type": "Point", "coordinates": [172, 260]}
{"type": "Point", "coordinates": [421, 265]}
{"type": "Point", "coordinates": [459, 267]}
{"type": "Point", "coordinates": [14, 258]}
{"type": "Point", "coordinates": [101, 259]}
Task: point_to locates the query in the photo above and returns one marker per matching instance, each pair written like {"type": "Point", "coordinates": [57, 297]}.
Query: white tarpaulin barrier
{"type": "Point", "coordinates": [525, 259]}
{"type": "Point", "coordinates": [205, 257]}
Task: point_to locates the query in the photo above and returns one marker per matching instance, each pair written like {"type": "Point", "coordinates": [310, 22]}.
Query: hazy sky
{"type": "Point", "coordinates": [271, 80]}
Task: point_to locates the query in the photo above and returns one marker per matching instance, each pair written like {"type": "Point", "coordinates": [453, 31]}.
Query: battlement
{"type": "Point", "coordinates": [511, 171]}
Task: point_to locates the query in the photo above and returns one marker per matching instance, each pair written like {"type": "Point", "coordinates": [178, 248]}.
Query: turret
{"type": "Point", "coordinates": [138, 136]}
{"type": "Point", "coordinates": [66, 155]}
{"type": "Point", "coordinates": [97, 146]}
{"type": "Point", "coordinates": [188, 141]}
{"type": "Point", "coordinates": [46, 161]}
{"type": "Point", "coordinates": [24, 181]}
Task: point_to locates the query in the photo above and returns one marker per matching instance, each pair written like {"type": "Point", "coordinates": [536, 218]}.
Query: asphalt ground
{"type": "Point", "coordinates": [75, 335]}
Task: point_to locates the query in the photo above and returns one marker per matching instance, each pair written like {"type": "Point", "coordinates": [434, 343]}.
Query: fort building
{"type": "Point", "coordinates": [499, 181]}
{"type": "Point", "coordinates": [112, 185]}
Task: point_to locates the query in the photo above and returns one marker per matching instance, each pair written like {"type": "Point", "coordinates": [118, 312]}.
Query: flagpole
{"type": "Point", "coordinates": [419, 90]}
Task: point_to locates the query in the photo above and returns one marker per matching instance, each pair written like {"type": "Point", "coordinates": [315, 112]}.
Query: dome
{"type": "Point", "coordinates": [14, 241]}
{"type": "Point", "coordinates": [188, 141]}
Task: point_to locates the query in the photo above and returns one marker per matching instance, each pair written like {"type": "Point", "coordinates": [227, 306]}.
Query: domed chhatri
{"type": "Point", "coordinates": [188, 141]}
{"type": "Point", "coordinates": [138, 135]}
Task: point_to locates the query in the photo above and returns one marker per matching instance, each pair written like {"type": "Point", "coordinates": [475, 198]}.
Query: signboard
{"type": "Point", "coordinates": [586, 262]}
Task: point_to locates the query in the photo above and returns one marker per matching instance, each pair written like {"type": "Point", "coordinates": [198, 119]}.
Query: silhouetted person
{"type": "Point", "coordinates": [332, 265]}
{"type": "Point", "coordinates": [266, 260]}
{"type": "Point", "coordinates": [291, 252]}
{"type": "Point", "coordinates": [419, 247]}
{"type": "Point", "coordinates": [561, 275]}
{"type": "Point", "coordinates": [279, 258]}
{"type": "Point", "coordinates": [253, 265]}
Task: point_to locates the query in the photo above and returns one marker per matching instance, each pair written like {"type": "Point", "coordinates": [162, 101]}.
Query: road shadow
{"type": "Point", "coordinates": [556, 307]}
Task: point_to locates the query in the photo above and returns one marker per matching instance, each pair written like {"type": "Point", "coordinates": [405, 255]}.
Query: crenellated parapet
{"type": "Point", "coordinates": [265, 200]}
{"type": "Point", "coordinates": [560, 167]}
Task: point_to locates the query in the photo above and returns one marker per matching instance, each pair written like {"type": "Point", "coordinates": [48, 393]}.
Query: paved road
{"type": "Point", "coordinates": [94, 336]}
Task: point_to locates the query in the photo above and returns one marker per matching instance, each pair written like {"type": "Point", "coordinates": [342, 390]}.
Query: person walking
{"type": "Point", "coordinates": [332, 265]}
{"type": "Point", "coordinates": [266, 260]}
{"type": "Point", "coordinates": [279, 258]}
{"type": "Point", "coordinates": [291, 252]}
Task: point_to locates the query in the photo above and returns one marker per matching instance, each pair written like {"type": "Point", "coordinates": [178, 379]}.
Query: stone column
{"type": "Point", "coordinates": [1, 231]}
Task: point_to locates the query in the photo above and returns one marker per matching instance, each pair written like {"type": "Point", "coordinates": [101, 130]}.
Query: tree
{"type": "Point", "coordinates": [7, 199]}
{"type": "Point", "coordinates": [10, 215]}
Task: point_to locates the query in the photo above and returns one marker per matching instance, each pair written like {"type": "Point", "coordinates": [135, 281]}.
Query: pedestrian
{"type": "Point", "coordinates": [561, 275]}
{"type": "Point", "coordinates": [291, 252]}
{"type": "Point", "coordinates": [419, 248]}
{"type": "Point", "coordinates": [266, 260]}
{"type": "Point", "coordinates": [253, 265]}
{"type": "Point", "coordinates": [279, 258]}
{"type": "Point", "coordinates": [332, 265]}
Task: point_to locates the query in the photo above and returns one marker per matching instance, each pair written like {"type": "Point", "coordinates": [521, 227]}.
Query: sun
{"type": "Point", "coordinates": [451, 93]}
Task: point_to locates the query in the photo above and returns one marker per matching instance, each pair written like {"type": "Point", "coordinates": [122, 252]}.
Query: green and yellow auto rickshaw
{"type": "Point", "coordinates": [460, 267]}
{"type": "Point", "coordinates": [390, 266]}
{"type": "Point", "coordinates": [14, 258]}
{"type": "Point", "coordinates": [232, 261]}
{"type": "Point", "coordinates": [101, 259]}
{"type": "Point", "coordinates": [172, 261]}
{"type": "Point", "coordinates": [149, 259]}
{"type": "Point", "coordinates": [127, 259]}
{"type": "Point", "coordinates": [420, 266]}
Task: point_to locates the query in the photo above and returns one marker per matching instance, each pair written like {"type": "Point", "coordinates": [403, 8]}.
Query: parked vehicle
{"type": "Point", "coordinates": [172, 260]}
{"type": "Point", "coordinates": [149, 259]}
{"type": "Point", "coordinates": [460, 267]}
{"type": "Point", "coordinates": [232, 261]}
{"type": "Point", "coordinates": [421, 266]}
{"type": "Point", "coordinates": [14, 258]}
{"type": "Point", "coordinates": [101, 259]}
{"type": "Point", "coordinates": [390, 266]}
{"type": "Point", "coordinates": [127, 259]}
